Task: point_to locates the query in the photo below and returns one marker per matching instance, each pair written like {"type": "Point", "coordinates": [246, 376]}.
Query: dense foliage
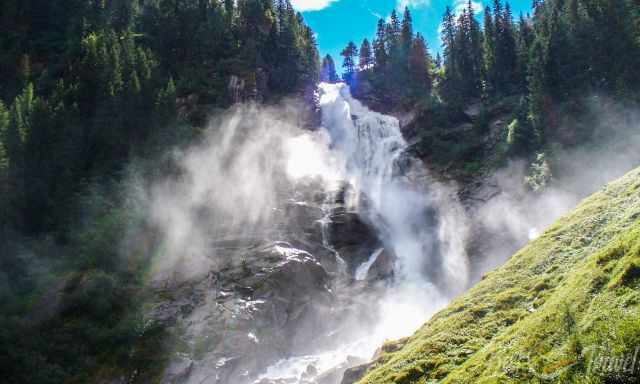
{"type": "Point", "coordinates": [86, 87]}
{"type": "Point", "coordinates": [542, 66]}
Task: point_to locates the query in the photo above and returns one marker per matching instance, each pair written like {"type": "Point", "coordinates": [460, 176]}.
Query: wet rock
{"type": "Point", "coordinates": [383, 267]}
{"type": "Point", "coordinates": [335, 374]}
{"type": "Point", "coordinates": [305, 218]}
{"type": "Point", "coordinates": [354, 239]}
{"type": "Point", "coordinates": [263, 300]}
{"type": "Point", "coordinates": [353, 374]}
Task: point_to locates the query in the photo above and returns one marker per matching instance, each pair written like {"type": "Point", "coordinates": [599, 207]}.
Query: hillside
{"type": "Point", "coordinates": [562, 309]}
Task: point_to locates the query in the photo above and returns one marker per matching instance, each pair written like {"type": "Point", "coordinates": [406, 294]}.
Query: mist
{"type": "Point", "coordinates": [259, 192]}
{"type": "Point", "coordinates": [229, 186]}
{"type": "Point", "coordinates": [257, 187]}
{"type": "Point", "coordinates": [510, 213]}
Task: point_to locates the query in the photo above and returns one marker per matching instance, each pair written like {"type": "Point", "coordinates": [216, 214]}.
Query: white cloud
{"type": "Point", "coordinates": [401, 4]}
{"type": "Point", "coordinates": [310, 5]}
{"type": "Point", "coordinates": [375, 14]}
{"type": "Point", "coordinates": [461, 5]}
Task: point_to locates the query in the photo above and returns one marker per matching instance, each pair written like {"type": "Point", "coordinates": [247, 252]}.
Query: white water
{"type": "Point", "coordinates": [363, 269]}
{"type": "Point", "coordinates": [372, 145]}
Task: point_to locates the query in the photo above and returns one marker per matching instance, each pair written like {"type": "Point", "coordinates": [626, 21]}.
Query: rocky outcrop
{"type": "Point", "coordinates": [352, 238]}
{"type": "Point", "coordinates": [383, 267]}
{"type": "Point", "coordinates": [241, 316]}
{"type": "Point", "coordinates": [354, 374]}
{"type": "Point", "coordinates": [269, 299]}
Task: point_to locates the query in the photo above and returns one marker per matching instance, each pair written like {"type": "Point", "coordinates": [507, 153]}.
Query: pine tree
{"type": "Point", "coordinates": [489, 40]}
{"type": "Point", "coordinates": [497, 16]}
{"type": "Point", "coordinates": [328, 72]}
{"type": "Point", "coordinates": [366, 59]}
{"type": "Point", "coordinates": [394, 22]}
{"type": "Point", "coordinates": [349, 53]}
{"type": "Point", "coordinates": [165, 104]}
{"type": "Point", "coordinates": [379, 49]}
{"type": "Point", "coordinates": [521, 136]}
{"type": "Point", "coordinates": [392, 34]}
{"type": "Point", "coordinates": [507, 49]}
{"type": "Point", "coordinates": [538, 81]}
{"type": "Point", "coordinates": [523, 45]}
{"type": "Point", "coordinates": [501, 65]}
{"type": "Point", "coordinates": [115, 80]}
{"type": "Point", "coordinates": [535, 4]}
{"type": "Point", "coordinates": [419, 66]}
{"type": "Point", "coordinates": [475, 51]}
{"type": "Point", "coordinates": [406, 33]}
{"type": "Point", "coordinates": [450, 90]}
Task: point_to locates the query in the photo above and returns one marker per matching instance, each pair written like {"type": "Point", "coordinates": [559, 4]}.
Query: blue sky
{"type": "Point", "coordinates": [337, 21]}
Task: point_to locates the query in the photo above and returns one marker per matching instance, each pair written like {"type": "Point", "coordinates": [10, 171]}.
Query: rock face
{"type": "Point", "coordinates": [270, 295]}
{"type": "Point", "coordinates": [354, 239]}
{"type": "Point", "coordinates": [239, 317]}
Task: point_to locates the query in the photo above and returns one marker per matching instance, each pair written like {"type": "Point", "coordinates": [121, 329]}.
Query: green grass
{"type": "Point", "coordinates": [539, 317]}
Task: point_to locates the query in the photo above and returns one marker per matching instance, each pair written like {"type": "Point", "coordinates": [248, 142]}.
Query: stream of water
{"type": "Point", "coordinates": [411, 227]}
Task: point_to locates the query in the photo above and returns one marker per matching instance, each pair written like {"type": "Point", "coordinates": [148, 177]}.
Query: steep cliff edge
{"type": "Point", "coordinates": [562, 309]}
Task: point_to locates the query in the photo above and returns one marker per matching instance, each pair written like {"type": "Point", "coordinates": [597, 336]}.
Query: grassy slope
{"type": "Point", "coordinates": [537, 318]}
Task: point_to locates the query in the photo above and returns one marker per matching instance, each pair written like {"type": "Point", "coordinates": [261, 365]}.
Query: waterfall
{"type": "Point", "coordinates": [417, 223]}
{"type": "Point", "coordinates": [363, 269]}
{"type": "Point", "coordinates": [373, 146]}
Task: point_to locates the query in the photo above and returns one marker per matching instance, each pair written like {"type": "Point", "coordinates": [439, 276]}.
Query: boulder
{"type": "Point", "coordinates": [353, 374]}
{"type": "Point", "coordinates": [352, 238]}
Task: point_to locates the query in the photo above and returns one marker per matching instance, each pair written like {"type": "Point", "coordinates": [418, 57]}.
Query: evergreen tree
{"type": "Point", "coordinates": [328, 72]}
{"type": "Point", "coordinates": [507, 48]}
{"type": "Point", "coordinates": [419, 66]}
{"type": "Point", "coordinates": [379, 48]}
{"type": "Point", "coordinates": [165, 104]}
{"type": "Point", "coordinates": [366, 59]}
{"type": "Point", "coordinates": [501, 77]}
{"type": "Point", "coordinates": [538, 81]}
{"type": "Point", "coordinates": [392, 34]}
{"type": "Point", "coordinates": [394, 22]}
{"type": "Point", "coordinates": [349, 53]}
{"type": "Point", "coordinates": [438, 61]}
{"type": "Point", "coordinates": [521, 136]}
{"type": "Point", "coordinates": [475, 51]}
{"type": "Point", "coordinates": [406, 32]}
{"type": "Point", "coordinates": [523, 45]}
{"type": "Point", "coordinates": [450, 84]}
{"type": "Point", "coordinates": [489, 51]}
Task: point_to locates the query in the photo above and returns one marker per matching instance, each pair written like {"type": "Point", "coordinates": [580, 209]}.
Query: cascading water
{"type": "Point", "coordinates": [412, 221]}
{"type": "Point", "coordinates": [373, 146]}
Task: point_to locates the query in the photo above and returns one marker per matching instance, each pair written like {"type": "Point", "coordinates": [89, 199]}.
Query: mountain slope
{"type": "Point", "coordinates": [562, 309]}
